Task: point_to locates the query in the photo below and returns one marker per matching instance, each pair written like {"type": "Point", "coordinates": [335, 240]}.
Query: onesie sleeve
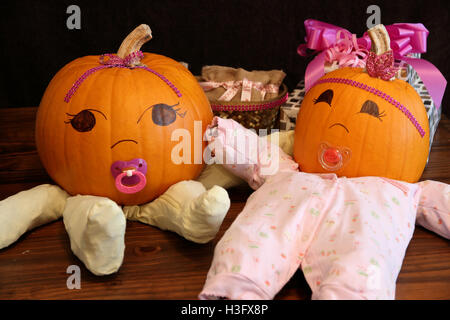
{"type": "Point", "coordinates": [245, 154]}
{"type": "Point", "coordinates": [433, 210]}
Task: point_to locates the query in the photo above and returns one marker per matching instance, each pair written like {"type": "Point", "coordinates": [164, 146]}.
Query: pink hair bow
{"type": "Point", "coordinates": [130, 61]}
{"type": "Point", "coordinates": [346, 51]}
{"type": "Point", "coordinates": [406, 38]}
{"type": "Point", "coordinates": [409, 38]}
{"type": "Point", "coordinates": [330, 42]}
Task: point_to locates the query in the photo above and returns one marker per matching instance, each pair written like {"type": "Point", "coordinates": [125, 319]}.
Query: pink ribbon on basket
{"type": "Point", "coordinates": [406, 38]}
{"type": "Point", "coordinates": [233, 87]}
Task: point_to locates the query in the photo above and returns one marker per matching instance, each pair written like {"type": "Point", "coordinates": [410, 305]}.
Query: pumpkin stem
{"type": "Point", "coordinates": [379, 37]}
{"type": "Point", "coordinates": [135, 40]}
{"type": "Point", "coordinates": [380, 62]}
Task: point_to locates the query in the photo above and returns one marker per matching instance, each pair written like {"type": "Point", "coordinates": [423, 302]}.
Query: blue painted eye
{"type": "Point", "coordinates": [163, 114]}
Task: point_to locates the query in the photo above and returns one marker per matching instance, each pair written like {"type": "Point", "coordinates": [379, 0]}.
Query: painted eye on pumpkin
{"type": "Point", "coordinates": [326, 96]}
{"type": "Point", "coordinates": [163, 114]}
{"type": "Point", "coordinates": [84, 120]}
{"type": "Point", "coordinates": [371, 108]}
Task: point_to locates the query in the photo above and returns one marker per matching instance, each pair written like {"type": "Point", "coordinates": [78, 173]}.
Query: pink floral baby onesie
{"type": "Point", "coordinates": [349, 236]}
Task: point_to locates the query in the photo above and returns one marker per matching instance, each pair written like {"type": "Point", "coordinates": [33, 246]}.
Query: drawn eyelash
{"type": "Point", "coordinates": [326, 96]}
{"type": "Point", "coordinates": [84, 120]}
{"type": "Point", "coordinates": [371, 108]}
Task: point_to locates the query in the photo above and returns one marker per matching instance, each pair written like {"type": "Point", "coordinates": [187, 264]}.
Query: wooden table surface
{"type": "Point", "coordinates": [160, 264]}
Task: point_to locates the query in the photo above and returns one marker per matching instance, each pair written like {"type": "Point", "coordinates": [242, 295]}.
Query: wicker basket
{"type": "Point", "coordinates": [252, 115]}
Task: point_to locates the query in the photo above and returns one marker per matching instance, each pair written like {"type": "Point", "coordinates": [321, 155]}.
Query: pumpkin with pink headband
{"type": "Point", "coordinates": [104, 133]}
{"type": "Point", "coordinates": [364, 122]}
{"type": "Point", "coordinates": [112, 117]}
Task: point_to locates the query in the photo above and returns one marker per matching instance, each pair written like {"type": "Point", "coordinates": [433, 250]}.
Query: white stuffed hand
{"type": "Point", "coordinates": [186, 208]}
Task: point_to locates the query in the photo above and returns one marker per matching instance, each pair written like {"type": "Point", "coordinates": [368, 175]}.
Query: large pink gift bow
{"type": "Point", "coordinates": [412, 38]}
{"type": "Point", "coordinates": [405, 38]}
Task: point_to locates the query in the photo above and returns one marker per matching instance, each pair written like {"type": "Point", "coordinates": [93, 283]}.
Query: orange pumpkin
{"type": "Point", "coordinates": [112, 137]}
{"type": "Point", "coordinates": [356, 122]}
{"type": "Point", "coordinates": [345, 122]}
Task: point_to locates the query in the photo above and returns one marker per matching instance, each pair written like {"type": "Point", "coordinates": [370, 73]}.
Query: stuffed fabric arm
{"type": "Point", "coordinates": [433, 211]}
{"type": "Point", "coordinates": [216, 174]}
{"type": "Point", "coordinates": [29, 209]}
{"type": "Point", "coordinates": [186, 208]}
{"type": "Point", "coordinates": [246, 155]}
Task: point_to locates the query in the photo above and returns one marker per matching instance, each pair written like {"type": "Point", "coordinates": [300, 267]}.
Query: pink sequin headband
{"type": "Point", "coordinates": [113, 61]}
{"type": "Point", "coordinates": [380, 94]}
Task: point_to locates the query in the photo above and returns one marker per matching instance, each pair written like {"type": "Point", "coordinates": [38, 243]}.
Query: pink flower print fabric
{"type": "Point", "coordinates": [349, 236]}
{"type": "Point", "coordinates": [246, 155]}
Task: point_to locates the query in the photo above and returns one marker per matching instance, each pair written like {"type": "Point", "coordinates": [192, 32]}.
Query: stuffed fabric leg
{"type": "Point", "coordinates": [186, 208]}
{"type": "Point", "coordinates": [96, 227]}
{"type": "Point", "coordinates": [29, 209]}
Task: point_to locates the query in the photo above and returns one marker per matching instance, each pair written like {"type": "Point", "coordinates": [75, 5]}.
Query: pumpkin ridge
{"type": "Point", "coordinates": [88, 91]}
{"type": "Point", "coordinates": [113, 115]}
{"type": "Point", "coordinates": [42, 113]}
{"type": "Point", "coordinates": [66, 144]}
{"type": "Point", "coordinates": [137, 83]}
{"type": "Point", "coordinates": [358, 171]}
{"type": "Point", "coordinates": [141, 105]}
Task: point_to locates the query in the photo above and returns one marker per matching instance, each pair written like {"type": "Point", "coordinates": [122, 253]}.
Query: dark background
{"type": "Point", "coordinates": [253, 34]}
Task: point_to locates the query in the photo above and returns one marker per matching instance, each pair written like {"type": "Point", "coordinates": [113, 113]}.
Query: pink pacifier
{"type": "Point", "coordinates": [333, 158]}
{"type": "Point", "coordinates": [129, 176]}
